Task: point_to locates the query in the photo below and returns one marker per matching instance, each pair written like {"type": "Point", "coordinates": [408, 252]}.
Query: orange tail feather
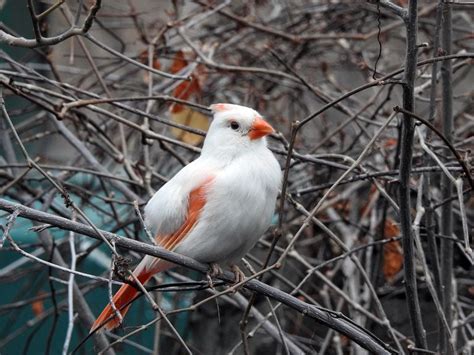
{"type": "Point", "coordinates": [125, 294]}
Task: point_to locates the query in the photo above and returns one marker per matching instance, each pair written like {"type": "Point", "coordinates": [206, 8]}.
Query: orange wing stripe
{"type": "Point", "coordinates": [196, 202]}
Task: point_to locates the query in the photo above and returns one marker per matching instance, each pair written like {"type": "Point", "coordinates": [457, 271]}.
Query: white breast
{"type": "Point", "coordinates": [239, 208]}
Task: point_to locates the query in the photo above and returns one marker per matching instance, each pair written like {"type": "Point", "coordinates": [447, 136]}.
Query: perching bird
{"type": "Point", "coordinates": [216, 208]}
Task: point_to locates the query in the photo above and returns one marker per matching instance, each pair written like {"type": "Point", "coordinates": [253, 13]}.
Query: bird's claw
{"type": "Point", "coordinates": [239, 275]}
{"type": "Point", "coordinates": [214, 271]}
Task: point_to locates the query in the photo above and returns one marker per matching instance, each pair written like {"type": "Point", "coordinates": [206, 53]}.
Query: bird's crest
{"type": "Point", "coordinates": [220, 107]}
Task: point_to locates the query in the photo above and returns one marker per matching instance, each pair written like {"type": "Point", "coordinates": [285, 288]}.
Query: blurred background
{"type": "Point", "coordinates": [108, 116]}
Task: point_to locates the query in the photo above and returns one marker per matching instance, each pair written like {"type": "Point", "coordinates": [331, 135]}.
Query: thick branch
{"type": "Point", "coordinates": [406, 153]}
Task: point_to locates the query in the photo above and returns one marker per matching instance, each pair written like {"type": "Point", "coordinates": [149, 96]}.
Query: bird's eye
{"type": "Point", "coordinates": [234, 125]}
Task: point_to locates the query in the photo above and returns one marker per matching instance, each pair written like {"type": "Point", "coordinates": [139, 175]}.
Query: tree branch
{"type": "Point", "coordinates": [328, 318]}
{"type": "Point", "coordinates": [406, 154]}
{"type": "Point", "coordinates": [397, 10]}
{"type": "Point", "coordinates": [41, 41]}
{"type": "Point", "coordinates": [446, 221]}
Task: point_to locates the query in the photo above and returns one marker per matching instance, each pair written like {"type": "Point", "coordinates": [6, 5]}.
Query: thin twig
{"type": "Point", "coordinates": [70, 292]}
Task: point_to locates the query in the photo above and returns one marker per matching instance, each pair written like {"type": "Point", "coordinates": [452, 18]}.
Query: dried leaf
{"type": "Point", "coordinates": [184, 91]}
{"type": "Point", "coordinates": [179, 62]}
{"type": "Point", "coordinates": [181, 113]}
{"type": "Point", "coordinates": [190, 118]}
{"type": "Point", "coordinates": [38, 306]}
{"type": "Point", "coordinates": [143, 58]}
{"type": "Point", "coordinates": [187, 88]}
{"type": "Point", "coordinates": [392, 252]}
{"type": "Point", "coordinates": [390, 142]}
{"type": "Point", "coordinates": [369, 202]}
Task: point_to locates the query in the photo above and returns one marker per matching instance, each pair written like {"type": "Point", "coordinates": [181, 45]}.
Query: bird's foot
{"type": "Point", "coordinates": [214, 271]}
{"type": "Point", "coordinates": [239, 275]}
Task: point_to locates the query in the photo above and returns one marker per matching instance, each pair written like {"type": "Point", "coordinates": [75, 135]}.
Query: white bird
{"type": "Point", "coordinates": [216, 208]}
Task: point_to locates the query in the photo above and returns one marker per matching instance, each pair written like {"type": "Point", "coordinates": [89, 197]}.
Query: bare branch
{"type": "Point", "coordinates": [406, 156]}
{"type": "Point", "coordinates": [329, 319]}
{"type": "Point", "coordinates": [41, 41]}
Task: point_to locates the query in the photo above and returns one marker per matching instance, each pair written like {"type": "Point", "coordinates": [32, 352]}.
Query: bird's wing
{"type": "Point", "coordinates": [167, 210]}
{"type": "Point", "coordinates": [193, 204]}
{"type": "Point", "coordinates": [179, 211]}
{"type": "Point", "coordinates": [174, 209]}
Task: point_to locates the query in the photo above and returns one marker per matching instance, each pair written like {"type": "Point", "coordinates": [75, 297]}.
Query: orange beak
{"type": "Point", "coordinates": [260, 128]}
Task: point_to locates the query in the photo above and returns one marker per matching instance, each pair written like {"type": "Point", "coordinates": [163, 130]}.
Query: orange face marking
{"type": "Point", "coordinates": [260, 128]}
{"type": "Point", "coordinates": [219, 107]}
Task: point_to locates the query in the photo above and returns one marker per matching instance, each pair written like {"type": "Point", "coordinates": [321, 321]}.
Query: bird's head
{"type": "Point", "coordinates": [236, 128]}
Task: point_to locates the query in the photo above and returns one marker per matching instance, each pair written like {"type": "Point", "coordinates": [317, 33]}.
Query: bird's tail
{"type": "Point", "coordinates": [108, 319]}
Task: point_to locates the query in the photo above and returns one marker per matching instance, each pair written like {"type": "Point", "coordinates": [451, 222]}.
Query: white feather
{"type": "Point", "coordinates": [240, 200]}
